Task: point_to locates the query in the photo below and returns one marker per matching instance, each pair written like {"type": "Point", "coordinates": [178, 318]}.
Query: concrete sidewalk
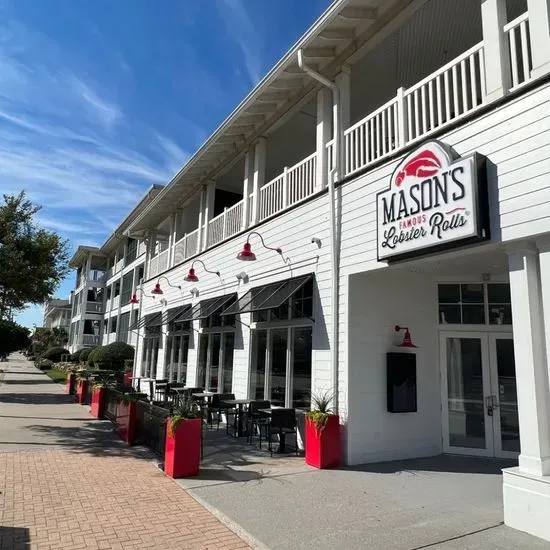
{"type": "Point", "coordinates": [68, 483]}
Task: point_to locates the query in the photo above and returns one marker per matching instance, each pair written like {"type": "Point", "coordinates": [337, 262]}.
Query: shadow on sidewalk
{"type": "Point", "coordinates": [15, 538]}
{"type": "Point", "coordinates": [28, 382]}
{"type": "Point", "coordinates": [94, 437]}
{"type": "Point", "coordinates": [37, 398]}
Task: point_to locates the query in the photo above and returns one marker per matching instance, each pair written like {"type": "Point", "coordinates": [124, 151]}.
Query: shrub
{"type": "Point", "coordinates": [54, 354]}
{"type": "Point", "coordinates": [85, 354]}
{"type": "Point", "coordinates": [44, 364]}
{"type": "Point", "coordinates": [75, 357]}
{"type": "Point", "coordinates": [113, 355]}
{"type": "Point", "coordinates": [93, 354]}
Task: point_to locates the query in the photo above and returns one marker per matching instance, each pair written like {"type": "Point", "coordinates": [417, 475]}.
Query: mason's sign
{"type": "Point", "coordinates": [435, 200]}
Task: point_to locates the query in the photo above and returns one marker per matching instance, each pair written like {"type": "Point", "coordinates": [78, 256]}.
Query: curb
{"type": "Point", "coordinates": [252, 541]}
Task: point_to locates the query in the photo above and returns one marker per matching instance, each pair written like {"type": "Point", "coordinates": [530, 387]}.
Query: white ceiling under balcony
{"type": "Point", "coordinates": [341, 30]}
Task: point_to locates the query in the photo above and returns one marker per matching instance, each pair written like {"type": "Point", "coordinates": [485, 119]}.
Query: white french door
{"type": "Point", "coordinates": [478, 388]}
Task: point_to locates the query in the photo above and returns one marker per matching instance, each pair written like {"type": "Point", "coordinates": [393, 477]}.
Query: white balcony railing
{"type": "Point", "coordinates": [186, 247]}
{"type": "Point", "coordinates": [94, 307]}
{"type": "Point", "coordinates": [90, 339]}
{"type": "Point", "coordinates": [520, 53]}
{"type": "Point", "coordinates": [163, 258]}
{"type": "Point", "coordinates": [444, 96]}
{"type": "Point", "coordinates": [114, 302]}
{"type": "Point", "coordinates": [291, 187]}
{"type": "Point", "coordinates": [153, 267]}
{"type": "Point", "coordinates": [226, 224]}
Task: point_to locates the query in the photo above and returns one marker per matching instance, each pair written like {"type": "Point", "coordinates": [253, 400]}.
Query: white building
{"type": "Point", "coordinates": [106, 278]}
{"type": "Point", "coordinates": [57, 314]}
{"type": "Point", "coordinates": [332, 159]}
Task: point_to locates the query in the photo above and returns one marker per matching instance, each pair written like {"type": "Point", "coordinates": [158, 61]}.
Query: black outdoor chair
{"type": "Point", "coordinates": [257, 420]}
{"type": "Point", "coordinates": [283, 423]}
{"type": "Point", "coordinates": [161, 390]}
{"type": "Point", "coordinates": [214, 407]}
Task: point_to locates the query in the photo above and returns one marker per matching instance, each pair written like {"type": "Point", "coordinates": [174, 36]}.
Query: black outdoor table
{"type": "Point", "coordinates": [238, 404]}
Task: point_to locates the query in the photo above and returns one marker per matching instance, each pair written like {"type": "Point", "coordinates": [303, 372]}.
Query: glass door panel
{"type": "Point", "coordinates": [504, 395]}
{"type": "Point", "coordinates": [466, 387]}
{"type": "Point", "coordinates": [228, 347]}
{"type": "Point", "coordinates": [301, 368]}
{"type": "Point", "coordinates": [214, 362]}
{"type": "Point", "coordinates": [257, 368]}
{"type": "Point", "coordinates": [201, 364]}
{"type": "Point", "coordinates": [279, 345]}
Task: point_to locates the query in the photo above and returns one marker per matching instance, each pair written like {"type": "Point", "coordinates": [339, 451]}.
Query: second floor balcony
{"type": "Point", "coordinates": [483, 72]}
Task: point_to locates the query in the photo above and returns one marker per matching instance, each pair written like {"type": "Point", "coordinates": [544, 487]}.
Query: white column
{"type": "Point", "coordinates": [323, 135]}
{"type": "Point", "coordinates": [539, 31]}
{"type": "Point", "coordinates": [496, 49]}
{"type": "Point", "coordinates": [208, 211]}
{"type": "Point", "coordinates": [343, 82]}
{"type": "Point", "coordinates": [174, 220]}
{"type": "Point", "coordinates": [151, 243]}
{"type": "Point", "coordinates": [260, 155]}
{"type": "Point", "coordinates": [530, 359]}
{"type": "Point", "coordinates": [247, 186]}
{"type": "Point", "coordinates": [202, 202]}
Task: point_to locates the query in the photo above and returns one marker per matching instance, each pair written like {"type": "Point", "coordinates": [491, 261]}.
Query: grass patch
{"type": "Point", "coordinates": [58, 376]}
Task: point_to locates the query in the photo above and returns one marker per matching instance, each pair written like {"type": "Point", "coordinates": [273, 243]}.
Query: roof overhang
{"type": "Point", "coordinates": [81, 255]}
{"type": "Point", "coordinates": [118, 234]}
{"type": "Point", "coordinates": [340, 31]}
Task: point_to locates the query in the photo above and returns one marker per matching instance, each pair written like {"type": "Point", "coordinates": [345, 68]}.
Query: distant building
{"type": "Point", "coordinates": [57, 314]}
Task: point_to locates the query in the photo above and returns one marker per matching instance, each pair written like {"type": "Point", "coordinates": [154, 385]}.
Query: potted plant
{"type": "Point", "coordinates": [70, 381]}
{"type": "Point", "coordinates": [183, 441]}
{"type": "Point", "coordinates": [127, 376]}
{"type": "Point", "coordinates": [82, 387]}
{"type": "Point", "coordinates": [322, 443]}
{"type": "Point", "coordinates": [102, 382]}
{"type": "Point", "coordinates": [126, 417]}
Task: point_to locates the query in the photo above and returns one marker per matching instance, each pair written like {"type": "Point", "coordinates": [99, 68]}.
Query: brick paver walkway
{"type": "Point", "coordinates": [68, 496]}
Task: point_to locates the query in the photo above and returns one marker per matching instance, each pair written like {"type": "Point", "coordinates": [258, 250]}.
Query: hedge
{"type": "Point", "coordinates": [75, 357]}
{"type": "Point", "coordinates": [54, 354]}
{"type": "Point", "coordinates": [85, 354]}
{"type": "Point", "coordinates": [113, 355]}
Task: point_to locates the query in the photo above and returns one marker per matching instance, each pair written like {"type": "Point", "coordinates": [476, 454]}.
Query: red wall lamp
{"type": "Point", "coordinates": [157, 290]}
{"type": "Point", "coordinates": [134, 298]}
{"type": "Point", "coordinates": [246, 254]}
{"type": "Point", "coordinates": [191, 277]}
{"type": "Point", "coordinates": [407, 341]}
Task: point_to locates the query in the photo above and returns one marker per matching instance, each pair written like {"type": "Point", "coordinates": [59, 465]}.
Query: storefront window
{"type": "Point", "coordinates": [177, 348]}
{"type": "Point", "coordinates": [228, 348]}
{"type": "Point", "coordinates": [201, 364]}
{"type": "Point", "coordinates": [281, 362]}
{"type": "Point", "coordinates": [214, 362]}
{"type": "Point", "coordinates": [500, 304]}
{"type": "Point", "coordinates": [301, 368]}
{"type": "Point", "coordinates": [475, 304]}
{"type": "Point", "coordinates": [298, 306]}
{"type": "Point", "coordinates": [151, 346]}
{"type": "Point", "coordinates": [257, 371]}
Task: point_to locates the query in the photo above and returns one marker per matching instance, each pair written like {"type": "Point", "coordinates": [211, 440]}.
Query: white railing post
{"type": "Point", "coordinates": [259, 176]}
{"type": "Point", "coordinates": [208, 211]}
{"type": "Point", "coordinates": [248, 183]}
{"type": "Point", "coordinates": [539, 32]}
{"type": "Point", "coordinates": [224, 224]}
{"type": "Point", "coordinates": [202, 202]}
{"type": "Point", "coordinates": [498, 74]}
{"type": "Point", "coordinates": [285, 187]}
{"type": "Point", "coordinates": [184, 246]}
{"type": "Point", "coordinates": [401, 118]}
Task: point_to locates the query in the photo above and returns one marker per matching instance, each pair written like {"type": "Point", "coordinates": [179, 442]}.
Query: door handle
{"type": "Point", "coordinates": [489, 404]}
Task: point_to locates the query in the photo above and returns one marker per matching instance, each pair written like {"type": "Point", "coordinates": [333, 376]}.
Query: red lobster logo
{"type": "Point", "coordinates": [423, 165]}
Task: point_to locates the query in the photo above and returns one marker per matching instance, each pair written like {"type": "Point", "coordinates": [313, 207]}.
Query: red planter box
{"type": "Point", "coordinates": [82, 390]}
{"type": "Point", "coordinates": [126, 421]}
{"type": "Point", "coordinates": [70, 383]}
{"type": "Point", "coordinates": [127, 379]}
{"type": "Point", "coordinates": [98, 402]}
{"type": "Point", "coordinates": [182, 455]}
{"type": "Point", "coordinates": [323, 447]}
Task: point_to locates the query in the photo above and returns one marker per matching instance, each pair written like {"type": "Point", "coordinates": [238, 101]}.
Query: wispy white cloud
{"type": "Point", "coordinates": [106, 112]}
{"type": "Point", "coordinates": [245, 33]}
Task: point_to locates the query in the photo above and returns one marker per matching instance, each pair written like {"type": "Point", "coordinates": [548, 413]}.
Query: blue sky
{"type": "Point", "coordinates": [98, 100]}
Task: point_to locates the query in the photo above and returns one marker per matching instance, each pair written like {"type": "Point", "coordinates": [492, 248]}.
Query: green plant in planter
{"type": "Point", "coordinates": [186, 411]}
{"type": "Point", "coordinates": [103, 380]}
{"type": "Point", "coordinates": [83, 375]}
{"type": "Point", "coordinates": [321, 410]}
{"type": "Point", "coordinates": [132, 397]}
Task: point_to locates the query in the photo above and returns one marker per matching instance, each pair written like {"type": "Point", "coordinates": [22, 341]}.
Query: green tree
{"type": "Point", "coordinates": [13, 337]}
{"type": "Point", "coordinates": [33, 261]}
